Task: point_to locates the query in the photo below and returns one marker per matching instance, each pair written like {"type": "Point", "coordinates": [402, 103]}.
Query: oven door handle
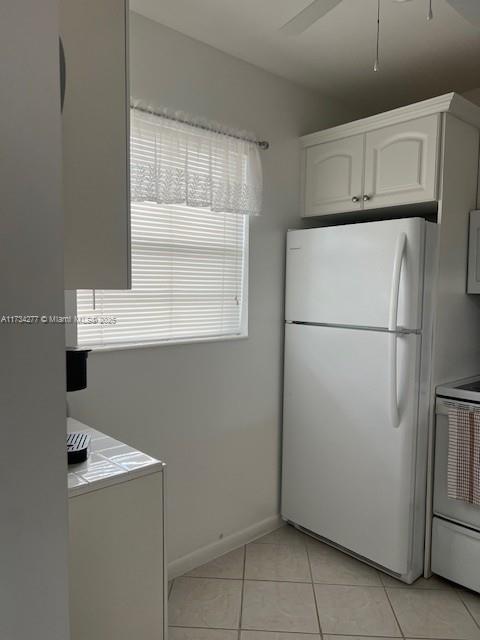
{"type": "Point", "coordinates": [443, 406]}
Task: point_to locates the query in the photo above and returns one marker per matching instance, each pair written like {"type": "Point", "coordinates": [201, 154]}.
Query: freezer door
{"type": "Point", "coordinates": [344, 275]}
{"type": "Point", "coordinates": [348, 473]}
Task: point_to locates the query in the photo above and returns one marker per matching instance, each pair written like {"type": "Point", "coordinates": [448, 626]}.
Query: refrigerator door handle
{"type": "Point", "coordinates": [395, 290]}
{"type": "Point", "coordinates": [393, 409]}
{"type": "Point", "coordinates": [392, 326]}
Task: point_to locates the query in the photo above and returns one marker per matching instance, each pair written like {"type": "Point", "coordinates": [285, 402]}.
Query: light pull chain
{"type": "Point", "coordinates": [94, 300]}
{"type": "Point", "coordinates": [376, 66]}
{"type": "Point", "coordinates": [430, 11]}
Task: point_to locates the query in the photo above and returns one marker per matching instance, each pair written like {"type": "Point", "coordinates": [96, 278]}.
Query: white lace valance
{"type": "Point", "coordinates": [174, 162]}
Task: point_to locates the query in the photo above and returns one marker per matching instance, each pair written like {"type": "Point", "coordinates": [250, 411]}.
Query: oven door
{"type": "Point", "coordinates": [457, 510]}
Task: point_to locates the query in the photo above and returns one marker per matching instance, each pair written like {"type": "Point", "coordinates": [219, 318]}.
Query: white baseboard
{"type": "Point", "coordinates": [219, 547]}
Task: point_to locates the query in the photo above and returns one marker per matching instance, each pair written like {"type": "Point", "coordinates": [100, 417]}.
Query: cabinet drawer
{"type": "Point", "coordinates": [456, 553]}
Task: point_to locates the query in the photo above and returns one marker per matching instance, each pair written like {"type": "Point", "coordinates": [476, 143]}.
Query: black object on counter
{"type": "Point", "coordinates": [77, 446]}
{"type": "Point", "coordinates": [77, 369]}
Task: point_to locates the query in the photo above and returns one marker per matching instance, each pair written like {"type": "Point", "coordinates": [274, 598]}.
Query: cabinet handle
{"type": "Point", "coordinates": [366, 198]}
{"type": "Point", "coordinates": [63, 73]}
{"type": "Point", "coordinates": [355, 199]}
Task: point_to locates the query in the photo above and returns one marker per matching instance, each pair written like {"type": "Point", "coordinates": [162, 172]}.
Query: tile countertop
{"type": "Point", "coordinates": [109, 462]}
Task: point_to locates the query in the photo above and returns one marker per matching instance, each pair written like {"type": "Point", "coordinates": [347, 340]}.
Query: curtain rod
{"type": "Point", "coordinates": [263, 144]}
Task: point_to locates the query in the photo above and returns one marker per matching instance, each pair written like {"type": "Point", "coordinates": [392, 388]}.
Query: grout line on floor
{"type": "Point", "coordinates": [248, 579]}
{"type": "Point", "coordinates": [314, 593]}
{"type": "Point", "coordinates": [326, 584]}
{"type": "Point", "coordinates": [458, 592]}
{"type": "Point", "coordinates": [411, 587]}
{"type": "Point", "coordinates": [210, 578]}
{"type": "Point", "coordinates": [342, 635]}
{"type": "Point", "coordinates": [291, 545]}
{"type": "Point", "coordinates": [284, 544]}
{"type": "Point", "coordinates": [243, 591]}
{"type": "Point", "coordinates": [181, 626]}
{"type": "Point", "coordinates": [393, 611]}
{"type": "Point", "coordinates": [303, 633]}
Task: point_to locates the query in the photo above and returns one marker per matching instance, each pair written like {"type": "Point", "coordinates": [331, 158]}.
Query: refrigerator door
{"type": "Point", "coordinates": [344, 275]}
{"type": "Point", "coordinates": [348, 473]}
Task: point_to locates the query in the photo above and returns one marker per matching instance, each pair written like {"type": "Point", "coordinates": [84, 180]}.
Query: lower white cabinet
{"type": "Point", "coordinates": [116, 542]}
{"type": "Point", "coordinates": [117, 589]}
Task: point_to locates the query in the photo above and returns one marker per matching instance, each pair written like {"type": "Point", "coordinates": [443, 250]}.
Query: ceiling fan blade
{"type": "Point", "coordinates": [313, 12]}
{"type": "Point", "coordinates": [468, 9]}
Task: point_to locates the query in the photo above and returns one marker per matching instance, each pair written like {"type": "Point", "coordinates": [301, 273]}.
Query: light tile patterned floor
{"type": "Point", "coordinates": [287, 586]}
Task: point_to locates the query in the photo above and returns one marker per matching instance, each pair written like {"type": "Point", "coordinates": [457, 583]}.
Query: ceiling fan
{"type": "Point", "coordinates": [468, 9]}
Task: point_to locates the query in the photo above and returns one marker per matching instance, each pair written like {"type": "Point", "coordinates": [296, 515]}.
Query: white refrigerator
{"type": "Point", "coordinates": [357, 388]}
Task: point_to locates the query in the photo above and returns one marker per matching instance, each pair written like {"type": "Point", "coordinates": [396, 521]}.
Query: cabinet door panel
{"type": "Point", "coordinates": [334, 175]}
{"type": "Point", "coordinates": [95, 144]}
{"type": "Point", "coordinates": [116, 562]}
{"type": "Point", "coordinates": [401, 163]}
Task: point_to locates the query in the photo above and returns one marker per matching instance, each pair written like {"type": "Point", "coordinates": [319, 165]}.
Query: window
{"type": "Point", "coordinates": [192, 191]}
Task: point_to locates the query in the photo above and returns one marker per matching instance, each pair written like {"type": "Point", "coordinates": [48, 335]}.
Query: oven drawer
{"type": "Point", "coordinates": [444, 506]}
{"type": "Point", "coordinates": [456, 553]}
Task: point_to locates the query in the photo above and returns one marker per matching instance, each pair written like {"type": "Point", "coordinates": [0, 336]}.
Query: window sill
{"type": "Point", "coordinates": [161, 343]}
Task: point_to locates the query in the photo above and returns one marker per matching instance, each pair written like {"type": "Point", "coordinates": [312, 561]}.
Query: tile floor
{"type": "Point", "coordinates": [287, 586]}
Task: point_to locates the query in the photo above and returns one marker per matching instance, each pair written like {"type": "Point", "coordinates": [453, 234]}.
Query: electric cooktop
{"type": "Point", "coordinates": [467, 389]}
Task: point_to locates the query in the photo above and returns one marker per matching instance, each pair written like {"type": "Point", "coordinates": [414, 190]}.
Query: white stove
{"type": "Point", "coordinates": [467, 389]}
{"type": "Point", "coordinates": [456, 524]}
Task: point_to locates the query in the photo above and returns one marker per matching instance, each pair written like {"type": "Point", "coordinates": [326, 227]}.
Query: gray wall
{"type": "Point", "coordinates": [213, 410]}
{"type": "Point", "coordinates": [473, 95]}
{"type": "Point", "coordinates": [33, 513]}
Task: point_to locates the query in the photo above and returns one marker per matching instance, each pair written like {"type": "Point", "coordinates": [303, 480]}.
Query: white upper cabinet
{"type": "Point", "coordinates": [401, 163]}
{"type": "Point", "coordinates": [334, 176]}
{"type": "Point", "coordinates": [391, 166]}
{"type": "Point", "coordinates": [387, 160]}
{"type": "Point", "coordinates": [95, 144]}
{"type": "Point", "coordinates": [473, 281]}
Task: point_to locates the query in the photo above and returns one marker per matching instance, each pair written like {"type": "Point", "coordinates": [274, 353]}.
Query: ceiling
{"type": "Point", "coordinates": [418, 59]}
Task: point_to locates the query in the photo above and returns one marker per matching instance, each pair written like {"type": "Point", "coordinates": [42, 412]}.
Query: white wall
{"type": "Point", "coordinates": [473, 95]}
{"type": "Point", "coordinates": [213, 411]}
{"type": "Point", "coordinates": [33, 506]}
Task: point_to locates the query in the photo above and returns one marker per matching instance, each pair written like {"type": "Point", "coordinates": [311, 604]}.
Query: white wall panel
{"type": "Point", "coordinates": [33, 507]}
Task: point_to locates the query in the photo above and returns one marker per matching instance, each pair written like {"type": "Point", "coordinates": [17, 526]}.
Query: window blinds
{"type": "Point", "coordinates": [188, 268]}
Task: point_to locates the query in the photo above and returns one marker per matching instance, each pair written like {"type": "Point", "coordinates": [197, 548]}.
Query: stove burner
{"type": "Point", "coordinates": [471, 386]}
